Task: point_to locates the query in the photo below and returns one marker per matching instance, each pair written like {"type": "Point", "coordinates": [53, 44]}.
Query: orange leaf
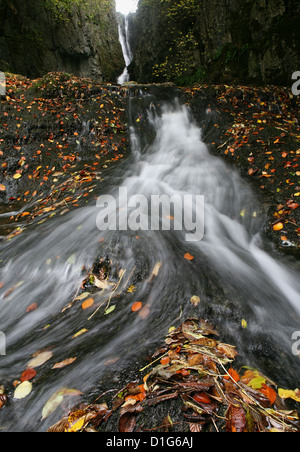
{"type": "Point", "coordinates": [278, 227]}
{"type": "Point", "coordinates": [188, 257]}
{"type": "Point", "coordinates": [133, 397]}
{"type": "Point", "coordinates": [183, 372]}
{"type": "Point", "coordinates": [293, 205]}
{"type": "Point", "coordinates": [234, 375]}
{"type": "Point", "coordinates": [137, 306]}
{"type": "Point", "coordinates": [269, 393]}
{"type": "Point", "coordinates": [165, 360]}
{"type": "Point", "coordinates": [88, 303]}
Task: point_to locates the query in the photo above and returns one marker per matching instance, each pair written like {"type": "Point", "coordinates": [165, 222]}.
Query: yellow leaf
{"type": "Point", "coordinates": [56, 399]}
{"type": "Point", "coordinates": [82, 296]}
{"type": "Point", "coordinates": [84, 330]}
{"type": "Point", "coordinates": [195, 300]}
{"type": "Point", "coordinates": [131, 289]}
{"type": "Point", "coordinates": [289, 394]}
{"type": "Point", "coordinates": [244, 323]}
{"type": "Point", "coordinates": [76, 422]}
{"type": "Point", "coordinates": [17, 176]}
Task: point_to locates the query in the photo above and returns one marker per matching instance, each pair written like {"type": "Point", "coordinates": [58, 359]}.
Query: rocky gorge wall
{"type": "Point", "coordinates": [247, 41]}
{"type": "Point", "coordinates": [79, 37]}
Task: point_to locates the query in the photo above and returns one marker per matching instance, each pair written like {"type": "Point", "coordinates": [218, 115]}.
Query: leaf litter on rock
{"type": "Point", "coordinates": [197, 370]}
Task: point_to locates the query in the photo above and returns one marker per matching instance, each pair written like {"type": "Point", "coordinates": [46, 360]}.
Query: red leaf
{"type": "Point", "coordinates": [28, 375]}
{"type": "Point", "coordinates": [201, 397]}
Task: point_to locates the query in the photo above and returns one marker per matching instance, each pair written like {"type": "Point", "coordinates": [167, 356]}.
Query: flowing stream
{"type": "Point", "coordinates": [234, 273]}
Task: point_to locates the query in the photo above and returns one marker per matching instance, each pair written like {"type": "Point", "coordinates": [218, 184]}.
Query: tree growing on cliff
{"type": "Point", "coordinates": [183, 49]}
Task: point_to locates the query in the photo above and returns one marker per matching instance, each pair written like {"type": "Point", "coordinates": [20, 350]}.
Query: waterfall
{"type": "Point", "coordinates": [124, 36]}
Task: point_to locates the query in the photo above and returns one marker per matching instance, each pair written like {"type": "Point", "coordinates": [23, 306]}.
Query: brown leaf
{"type": "Point", "coordinates": [127, 421]}
{"type": "Point", "coordinates": [162, 398]}
{"type": "Point", "coordinates": [195, 360]}
{"type": "Point", "coordinates": [64, 363]}
{"type": "Point", "coordinates": [144, 312]}
{"type": "Point", "coordinates": [228, 350]}
{"type": "Point", "coordinates": [59, 427]}
{"type": "Point", "coordinates": [189, 386]}
{"type": "Point", "coordinates": [236, 419]}
{"type": "Point", "coordinates": [32, 307]}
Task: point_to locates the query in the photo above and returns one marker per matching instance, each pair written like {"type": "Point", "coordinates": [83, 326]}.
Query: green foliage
{"type": "Point", "coordinates": [62, 8]}
{"type": "Point", "coordinates": [194, 78]}
{"type": "Point", "coordinates": [180, 64]}
{"type": "Point", "coordinates": [177, 64]}
{"type": "Point", "coordinates": [182, 10]}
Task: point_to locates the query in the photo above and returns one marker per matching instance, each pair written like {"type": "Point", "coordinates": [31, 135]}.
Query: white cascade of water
{"type": "Point", "coordinates": [125, 44]}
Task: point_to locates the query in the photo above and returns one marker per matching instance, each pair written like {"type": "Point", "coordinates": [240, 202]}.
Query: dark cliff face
{"type": "Point", "coordinates": [244, 41]}
{"type": "Point", "coordinates": [81, 38]}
